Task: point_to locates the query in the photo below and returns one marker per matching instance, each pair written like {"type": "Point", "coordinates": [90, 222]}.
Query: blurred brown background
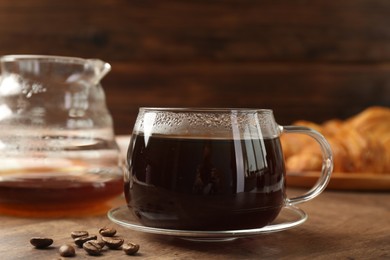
{"type": "Point", "coordinates": [311, 60]}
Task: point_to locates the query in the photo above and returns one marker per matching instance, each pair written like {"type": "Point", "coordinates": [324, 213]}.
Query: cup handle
{"type": "Point", "coordinates": [327, 163]}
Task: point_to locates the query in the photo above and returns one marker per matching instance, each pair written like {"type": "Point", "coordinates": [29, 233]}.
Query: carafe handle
{"type": "Point", "coordinates": [327, 163]}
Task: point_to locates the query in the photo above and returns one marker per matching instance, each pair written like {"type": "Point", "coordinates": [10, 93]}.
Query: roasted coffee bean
{"type": "Point", "coordinates": [130, 248]}
{"type": "Point", "coordinates": [81, 240]}
{"type": "Point", "coordinates": [99, 242]}
{"type": "Point", "coordinates": [92, 248]}
{"type": "Point", "coordinates": [107, 232]}
{"type": "Point", "coordinates": [67, 251]}
{"type": "Point", "coordinates": [41, 242]}
{"type": "Point", "coordinates": [113, 242]}
{"type": "Point", "coordinates": [76, 234]}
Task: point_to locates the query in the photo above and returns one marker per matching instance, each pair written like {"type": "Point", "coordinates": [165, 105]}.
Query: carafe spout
{"type": "Point", "coordinates": [100, 68]}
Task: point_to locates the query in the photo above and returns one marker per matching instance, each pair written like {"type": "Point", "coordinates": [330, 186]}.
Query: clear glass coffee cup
{"type": "Point", "coordinates": [57, 145]}
{"type": "Point", "coordinates": [211, 169]}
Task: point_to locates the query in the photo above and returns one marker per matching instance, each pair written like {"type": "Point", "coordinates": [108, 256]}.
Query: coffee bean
{"type": "Point", "coordinates": [107, 232]}
{"type": "Point", "coordinates": [67, 251]}
{"type": "Point", "coordinates": [89, 243]}
{"type": "Point", "coordinates": [113, 243]}
{"type": "Point", "coordinates": [100, 242]}
{"type": "Point", "coordinates": [81, 240]}
{"type": "Point", "coordinates": [92, 248]}
{"type": "Point", "coordinates": [130, 248]}
{"type": "Point", "coordinates": [76, 234]}
{"type": "Point", "coordinates": [41, 242]}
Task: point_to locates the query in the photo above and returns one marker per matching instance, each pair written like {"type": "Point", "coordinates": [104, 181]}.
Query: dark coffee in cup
{"type": "Point", "coordinates": [206, 183]}
{"type": "Point", "coordinates": [211, 169]}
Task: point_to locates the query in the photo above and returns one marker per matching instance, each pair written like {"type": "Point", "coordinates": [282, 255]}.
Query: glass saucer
{"type": "Point", "coordinates": [289, 217]}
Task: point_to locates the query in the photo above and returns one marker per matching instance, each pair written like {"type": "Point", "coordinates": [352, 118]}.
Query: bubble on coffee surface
{"type": "Point", "coordinates": [214, 123]}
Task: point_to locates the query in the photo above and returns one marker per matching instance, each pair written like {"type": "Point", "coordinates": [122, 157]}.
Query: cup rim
{"type": "Point", "coordinates": [207, 109]}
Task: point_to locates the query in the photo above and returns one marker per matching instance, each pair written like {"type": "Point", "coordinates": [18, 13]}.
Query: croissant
{"type": "Point", "coordinates": [359, 144]}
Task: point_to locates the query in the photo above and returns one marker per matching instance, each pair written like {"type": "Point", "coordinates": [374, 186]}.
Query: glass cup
{"type": "Point", "coordinates": [57, 145]}
{"type": "Point", "coordinates": [211, 169]}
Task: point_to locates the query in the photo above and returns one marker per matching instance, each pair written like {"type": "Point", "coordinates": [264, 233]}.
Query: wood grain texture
{"type": "Point", "coordinates": [341, 225]}
{"type": "Point", "coordinates": [306, 60]}
{"type": "Point", "coordinates": [174, 30]}
{"type": "Point", "coordinates": [316, 92]}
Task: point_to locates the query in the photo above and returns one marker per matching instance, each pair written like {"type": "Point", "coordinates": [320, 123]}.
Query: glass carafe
{"type": "Point", "coordinates": [57, 145]}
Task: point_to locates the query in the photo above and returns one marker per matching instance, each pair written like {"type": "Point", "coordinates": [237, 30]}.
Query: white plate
{"type": "Point", "coordinates": [289, 217]}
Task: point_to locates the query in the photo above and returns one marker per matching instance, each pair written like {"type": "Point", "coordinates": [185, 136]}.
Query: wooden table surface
{"type": "Point", "coordinates": [341, 225]}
